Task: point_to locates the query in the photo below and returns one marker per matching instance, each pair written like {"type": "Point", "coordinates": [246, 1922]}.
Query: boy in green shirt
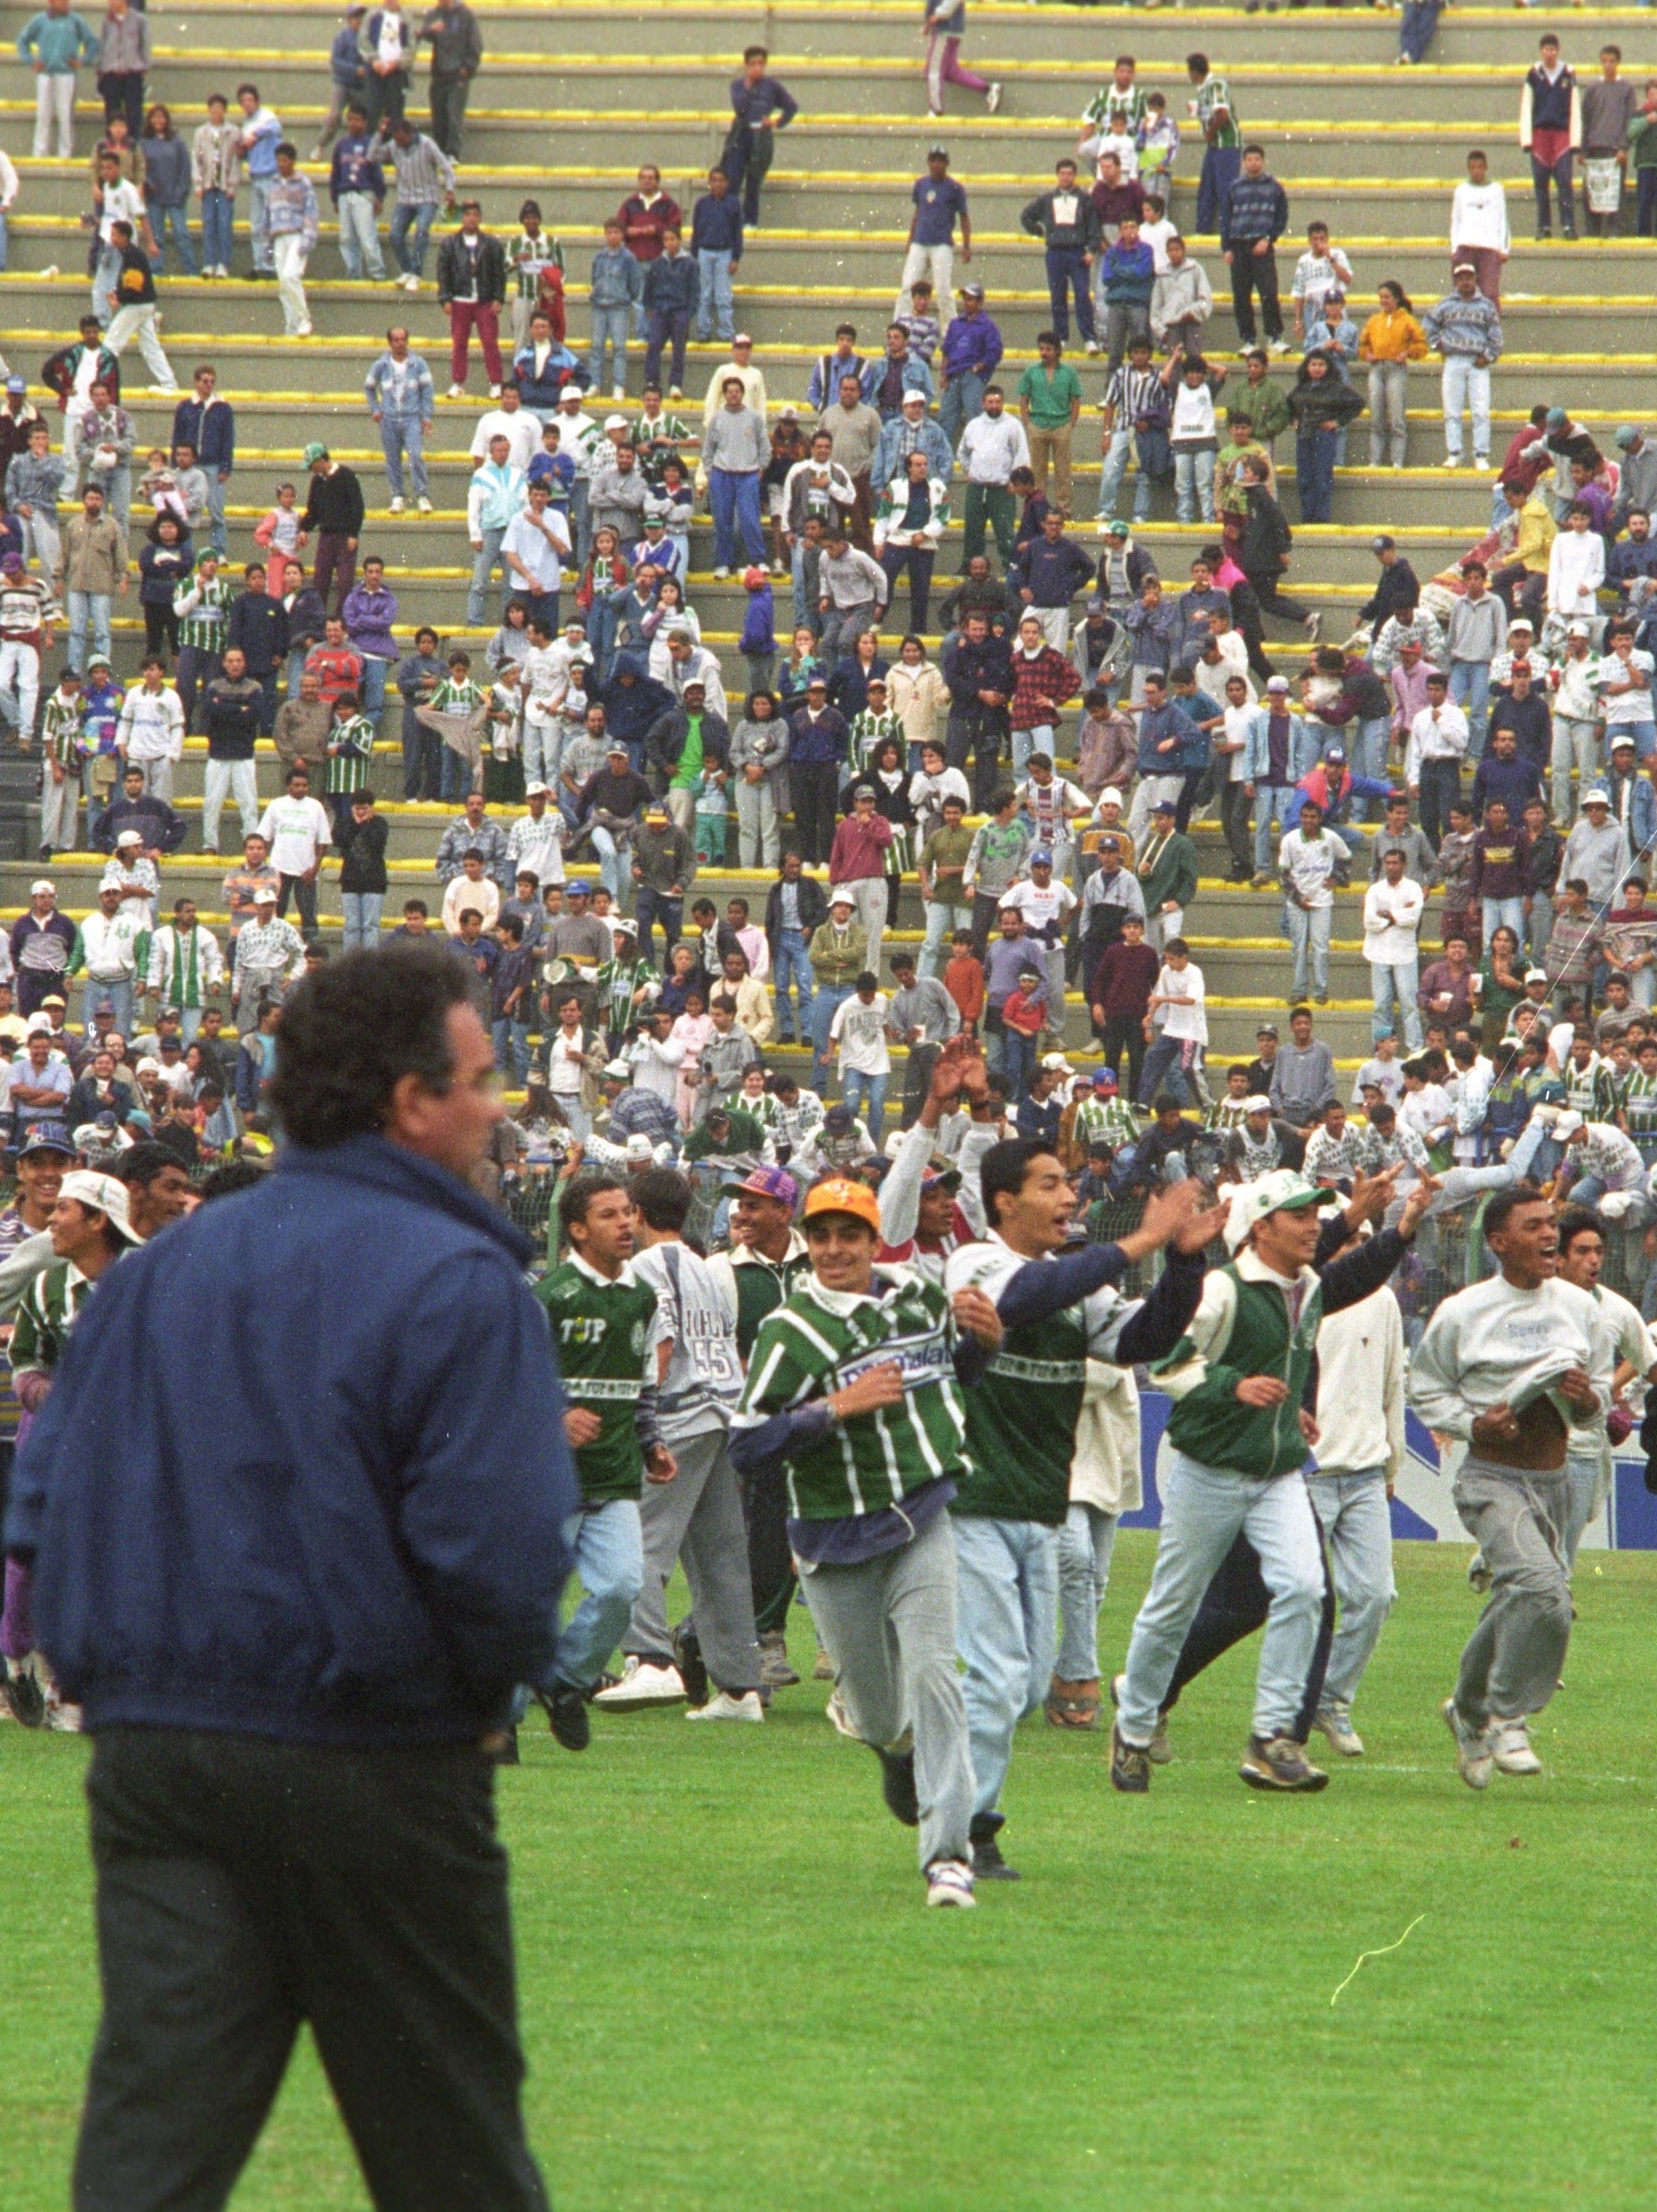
{"type": "Point", "coordinates": [856, 1386]}
{"type": "Point", "coordinates": [603, 1324]}
{"type": "Point", "coordinates": [1050, 401]}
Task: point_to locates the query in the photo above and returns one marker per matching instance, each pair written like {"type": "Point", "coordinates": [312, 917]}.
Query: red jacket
{"type": "Point", "coordinates": [641, 227]}
{"type": "Point", "coordinates": [859, 849]}
{"type": "Point", "coordinates": [1047, 676]}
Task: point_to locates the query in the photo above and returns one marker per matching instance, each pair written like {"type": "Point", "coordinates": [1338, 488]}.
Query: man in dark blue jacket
{"type": "Point", "coordinates": [1253, 216]}
{"type": "Point", "coordinates": [632, 700]}
{"type": "Point", "coordinates": [295, 1629]}
{"type": "Point", "coordinates": [208, 424]}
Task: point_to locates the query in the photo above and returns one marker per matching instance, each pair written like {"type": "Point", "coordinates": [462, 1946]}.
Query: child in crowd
{"type": "Point", "coordinates": [1321, 270]}
{"type": "Point", "coordinates": [1024, 1015]}
{"type": "Point", "coordinates": [280, 537]}
{"type": "Point", "coordinates": [759, 640]}
{"type": "Point", "coordinates": [963, 978]}
{"type": "Point", "coordinates": [1157, 142]}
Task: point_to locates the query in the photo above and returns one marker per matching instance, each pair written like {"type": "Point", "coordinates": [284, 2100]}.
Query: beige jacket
{"type": "Point", "coordinates": [94, 556]}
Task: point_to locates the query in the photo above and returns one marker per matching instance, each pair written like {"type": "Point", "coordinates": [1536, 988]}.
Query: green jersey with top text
{"type": "Point", "coordinates": [602, 1333]}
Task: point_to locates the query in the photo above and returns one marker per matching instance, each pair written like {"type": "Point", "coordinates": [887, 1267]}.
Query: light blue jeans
{"type": "Point", "coordinates": [1272, 800]}
{"type": "Point", "coordinates": [217, 216]}
{"type": "Point", "coordinates": [1401, 982]}
{"type": "Point", "coordinates": [793, 965]}
{"type": "Point", "coordinates": [1006, 1632]}
{"type": "Point", "coordinates": [173, 222]}
{"type": "Point", "coordinates": [942, 920]}
{"type": "Point", "coordinates": [608, 1546]}
{"type": "Point", "coordinates": [258, 190]}
{"type": "Point", "coordinates": [1110, 476]}
{"type": "Point", "coordinates": [359, 235]}
{"type": "Point", "coordinates": [1203, 1511]}
{"type": "Point", "coordinates": [411, 257]}
{"type": "Point", "coordinates": [716, 313]}
{"type": "Point", "coordinates": [1470, 687]}
{"type": "Point", "coordinates": [1499, 912]}
{"type": "Point", "coordinates": [400, 434]}
{"type": "Point", "coordinates": [1193, 484]}
{"type": "Point", "coordinates": [613, 867]}
{"type": "Point", "coordinates": [1465, 388]}
{"type": "Point", "coordinates": [1085, 1545]}
{"type": "Point", "coordinates": [87, 610]}
{"type": "Point", "coordinates": [1309, 934]}
{"type": "Point", "coordinates": [1368, 758]}
{"type": "Point", "coordinates": [609, 331]}
{"type": "Point", "coordinates": [362, 912]}
{"type": "Point", "coordinates": [1358, 1530]}
{"type": "Point", "coordinates": [1539, 927]}
{"type": "Point", "coordinates": [483, 566]}
{"type": "Point", "coordinates": [866, 1096]}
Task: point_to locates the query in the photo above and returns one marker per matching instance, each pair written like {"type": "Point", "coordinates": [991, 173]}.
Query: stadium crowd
{"type": "Point", "coordinates": [730, 1244]}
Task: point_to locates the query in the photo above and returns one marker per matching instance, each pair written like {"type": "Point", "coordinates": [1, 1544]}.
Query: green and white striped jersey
{"type": "Point", "coordinates": [1113, 109]}
{"type": "Point", "coordinates": [821, 1341]}
{"type": "Point", "coordinates": [46, 1313]}
{"type": "Point", "coordinates": [1021, 1418]}
{"type": "Point", "coordinates": [1214, 92]}
{"type": "Point", "coordinates": [1640, 1103]}
{"type": "Point", "coordinates": [602, 1332]}
{"type": "Point", "coordinates": [60, 729]}
{"type": "Point", "coordinates": [202, 604]}
{"type": "Point", "coordinates": [348, 768]}
{"type": "Point", "coordinates": [1104, 1120]}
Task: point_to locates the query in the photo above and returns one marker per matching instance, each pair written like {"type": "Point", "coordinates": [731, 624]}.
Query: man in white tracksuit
{"type": "Point", "coordinates": [1515, 1368]}
{"type": "Point", "coordinates": [1360, 1455]}
{"type": "Point", "coordinates": [1588, 1464]}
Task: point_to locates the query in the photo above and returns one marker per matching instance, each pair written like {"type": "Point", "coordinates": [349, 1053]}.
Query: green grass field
{"type": "Point", "coordinates": [733, 1998]}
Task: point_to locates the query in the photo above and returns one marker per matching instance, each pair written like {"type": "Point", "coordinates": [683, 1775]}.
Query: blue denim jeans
{"type": "Point", "coordinates": [942, 920]}
{"type": "Point", "coordinates": [609, 331]}
{"type": "Point", "coordinates": [359, 236]}
{"type": "Point", "coordinates": [1193, 486]}
{"type": "Point", "coordinates": [400, 434]}
{"type": "Point", "coordinates": [608, 1548]}
{"type": "Point", "coordinates": [612, 864]}
{"type": "Point", "coordinates": [218, 215]}
{"type": "Point", "coordinates": [1402, 982]}
{"type": "Point", "coordinates": [734, 498]}
{"type": "Point", "coordinates": [511, 1048]}
{"type": "Point", "coordinates": [716, 313]}
{"type": "Point", "coordinates": [1110, 476]}
{"type": "Point", "coordinates": [1271, 799]}
{"type": "Point", "coordinates": [483, 565]}
{"type": "Point", "coordinates": [1308, 934]}
{"type": "Point", "coordinates": [1470, 687]}
{"type": "Point", "coordinates": [1006, 1632]}
{"type": "Point", "coordinates": [412, 252]}
{"type": "Point", "coordinates": [174, 223]}
{"type": "Point", "coordinates": [258, 190]}
{"type": "Point", "coordinates": [362, 913]}
{"type": "Point", "coordinates": [1085, 1545]}
{"type": "Point", "coordinates": [1205, 1509]}
{"type": "Point", "coordinates": [830, 998]}
{"type": "Point", "coordinates": [1504, 912]}
{"type": "Point", "coordinates": [866, 1096]}
{"type": "Point", "coordinates": [118, 997]}
{"type": "Point", "coordinates": [88, 614]}
{"type": "Point", "coordinates": [962, 402]}
{"type": "Point", "coordinates": [793, 966]}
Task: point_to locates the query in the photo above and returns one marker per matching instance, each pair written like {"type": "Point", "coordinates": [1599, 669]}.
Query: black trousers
{"type": "Point", "coordinates": [1251, 273]}
{"type": "Point", "coordinates": [1125, 1033]}
{"type": "Point", "coordinates": [1236, 1603]}
{"type": "Point", "coordinates": [815, 788]}
{"type": "Point", "coordinates": [449, 95]}
{"type": "Point", "coordinates": [303, 896]}
{"type": "Point", "coordinates": [770, 1562]}
{"type": "Point", "coordinates": [980, 734]}
{"type": "Point", "coordinates": [245, 1886]}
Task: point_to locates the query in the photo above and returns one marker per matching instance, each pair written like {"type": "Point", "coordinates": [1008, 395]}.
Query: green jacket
{"type": "Point", "coordinates": [1168, 871]}
{"type": "Point", "coordinates": [1241, 1327]}
{"type": "Point", "coordinates": [839, 955]}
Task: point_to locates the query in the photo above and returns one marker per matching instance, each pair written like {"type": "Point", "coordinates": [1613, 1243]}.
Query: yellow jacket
{"type": "Point", "coordinates": [1393, 336]}
{"type": "Point", "coordinates": [1537, 532]}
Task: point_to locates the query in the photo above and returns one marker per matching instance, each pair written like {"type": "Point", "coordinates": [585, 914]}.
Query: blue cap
{"type": "Point", "coordinates": [48, 1137]}
{"type": "Point", "coordinates": [1041, 858]}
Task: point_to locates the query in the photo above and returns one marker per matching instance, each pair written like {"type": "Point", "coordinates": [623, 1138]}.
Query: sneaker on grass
{"type": "Point", "coordinates": [949, 1882]}
{"type": "Point", "coordinates": [1475, 1760]}
{"type": "Point", "coordinates": [642, 1683]}
{"type": "Point", "coordinates": [722, 1706]}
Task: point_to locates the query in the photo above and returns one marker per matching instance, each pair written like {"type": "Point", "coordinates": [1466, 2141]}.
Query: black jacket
{"type": "Point", "coordinates": [664, 741]}
{"type": "Point", "coordinates": [231, 712]}
{"type": "Point", "coordinates": [335, 503]}
{"type": "Point", "coordinates": [969, 669]}
{"type": "Point", "coordinates": [1266, 535]}
{"type": "Point", "coordinates": [162, 826]}
{"type": "Point", "coordinates": [258, 624]}
{"type": "Point", "coordinates": [452, 272]}
{"type": "Point", "coordinates": [363, 848]}
{"type": "Point", "coordinates": [813, 909]}
{"type": "Point", "coordinates": [1397, 592]}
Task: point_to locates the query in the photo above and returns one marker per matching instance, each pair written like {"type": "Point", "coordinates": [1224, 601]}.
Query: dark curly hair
{"type": "Point", "coordinates": [352, 1030]}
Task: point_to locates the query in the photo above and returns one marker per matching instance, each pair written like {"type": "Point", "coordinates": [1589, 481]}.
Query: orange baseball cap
{"type": "Point", "coordinates": [840, 1194]}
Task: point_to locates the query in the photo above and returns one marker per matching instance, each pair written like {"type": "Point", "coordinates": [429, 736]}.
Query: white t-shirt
{"type": "Point", "coordinates": [296, 831]}
{"type": "Point", "coordinates": [1237, 721]}
{"type": "Point", "coordinates": [860, 1032]}
{"type": "Point", "coordinates": [123, 202]}
{"type": "Point", "coordinates": [1183, 1022]}
{"type": "Point", "coordinates": [1045, 911]}
{"type": "Point", "coordinates": [1627, 707]}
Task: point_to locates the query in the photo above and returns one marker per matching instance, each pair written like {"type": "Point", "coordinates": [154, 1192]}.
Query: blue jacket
{"type": "Point", "coordinates": [1169, 721]}
{"type": "Point", "coordinates": [717, 226]}
{"type": "Point", "coordinates": [630, 708]}
{"type": "Point", "coordinates": [211, 431]}
{"type": "Point", "coordinates": [670, 285]}
{"type": "Point", "coordinates": [354, 1534]}
{"type": "Point", "coordinates": [1128, 274]}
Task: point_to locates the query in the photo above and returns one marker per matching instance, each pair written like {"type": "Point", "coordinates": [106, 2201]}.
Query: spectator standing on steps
{"type": "Point", "coordinates": [260, 133]}
{"type": "Point", "coordinates": [347, 74]}
{"type": "Point", "coordinates": [670, 298]}
{"type": "Point", "coordinates": [943, 29]}
{"type": "Point", "coordinates": [1211, 109]}
{"type": "Point", "coordinates": [735, 452]}
{"type": "Point", "coordinates": [992, 445]}
{"type": "Point", "coordinates": [457, 53]}
{"type": "Point", "coordinates": [1049, 404]}
{"type": "Point", "coordinates": [1550, 130]}
{"type": "Point", "coordinates": [166, 183]}
{"type": "Point", "coordinates": [969, 355]}
{"type": "Point", "coordinates": [207, 422]}
{"type": "Point", "coordinates": [123, 57]}
{"type": "Point", "coordinates": [425, 182]}
{"type": "Point", "coordinates": [54, 43]}
{"type": "Point", "coordinates": [1465, 328]}
{"type": "Point", "coordinates": [1608, 107]}
{"type": "Point", "coordinates": [1478, 227]}
{"type": "Point", "coordinates": [939, 200]}
{"type": "Point", "coordinates": [717, 248]}
{"type": "Point", "coordinates": [761, 106]}
{"type": "Point", "coordinates": [291, 224]}
{"type": "Point", "coordinates": [333, 515]}
{"type": "Point", "coordinates": [357, 185]}
{"type": "Point", "coordinates": [472, 287]}
{"type": "Point", "coordinates": [1253, 217]}
{"type": "Point", "coordinates": [1067, 223]}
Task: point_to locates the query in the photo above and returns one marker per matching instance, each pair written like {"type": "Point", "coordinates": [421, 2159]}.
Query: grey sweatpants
{"type": "Point", "coordinates": [697, 1517]}
{"type": "Point", "coordinates": [1512, 1662]}
{"type": "Point", "coordinates": [889, 1624]}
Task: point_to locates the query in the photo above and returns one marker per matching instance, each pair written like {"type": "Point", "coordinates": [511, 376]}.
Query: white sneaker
{"type": "Point", "coordinates": [410, 283]}
{"type": "Point", "coordinates": [397, 506]}
{"type": "Point", "coordinates": [992, 98]}
{"type": "Point", "coordinates": [643, 1685]}
{"type": "Point", "coordinates": [1094, 346]}
{"type": "Point", "coordinates": [725, 1707]}
{"type": "Point", "coordinates": [949, 1882]}
{"type": "Point", "coordinates": [494, 390]}
{"type": "Point", "coordinates": [1277, 346]}
{"type": "Point", "coordinates": [839, 1719]}
{"type": "Point", "coordinates": [1510, 1747]}
{"type": "Point", "coordinates": [457, 392]}
{"type": "Point", "coordinates": [1474, 1760]}
{"type": "Point", "coordinates": [424, 505]}
{"type": "Point", "coordinates": [304, 330]}
{"type": "Point", "coordinates": [618, 392]}
{"type": "Point", "coordinates": [1338, 1727]}
{"type": "Point", "coordinates": [720, 575]}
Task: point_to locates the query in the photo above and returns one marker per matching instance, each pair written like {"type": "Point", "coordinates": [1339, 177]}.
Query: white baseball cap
{"type": "Point", "coordinates": [1282, 1191]}
{"type": "Point", "coordinates": [104, 1194]}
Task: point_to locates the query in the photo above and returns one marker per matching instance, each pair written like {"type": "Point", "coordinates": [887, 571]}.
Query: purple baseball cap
{"type": "Point", "coordinates": [769, 1182]}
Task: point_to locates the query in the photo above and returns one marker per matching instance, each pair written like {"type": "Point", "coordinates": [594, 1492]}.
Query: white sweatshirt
{"type": "Point", "coordinates": [1483, 1344]}
{"type": "Point", "coordinates": [1361, 1388]}
{"type": "Point", "coordinates": [1630, 1338]}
